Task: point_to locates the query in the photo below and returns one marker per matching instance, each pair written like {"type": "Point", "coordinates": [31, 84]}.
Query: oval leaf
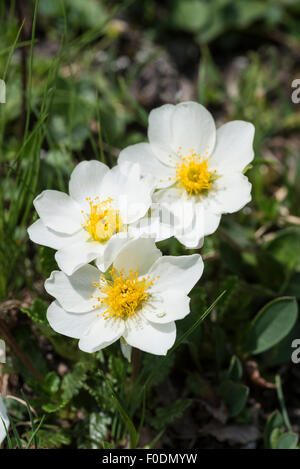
{"type": "Point", "coordinates": [272, 324]}
{"type": "Point", "coordinates": [288, 441]}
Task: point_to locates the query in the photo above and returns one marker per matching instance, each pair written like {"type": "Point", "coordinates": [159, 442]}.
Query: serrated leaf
{"type": "Point", "coordinates": [37, 312]}
{"type": "Point", "coordinates": [50, 408]}
{"type": "Point", "coordinates": [98, 428]}
{"type": "Point", "coordinates": [52, 438]}
{"type": "Point", "coordinates": [168, 414]}
{"type": "Point", "coordinates": [52, 382]}
{"type": "Point", "coordinates": [73, 381]}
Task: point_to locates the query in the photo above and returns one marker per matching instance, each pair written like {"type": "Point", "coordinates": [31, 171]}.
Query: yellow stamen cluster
{"type": "Point", "coordinates": [193, 175]}
{"type": "Point", "coordinates": [122, 295]}
{"type": "Point", "coordinates": [103, 221]}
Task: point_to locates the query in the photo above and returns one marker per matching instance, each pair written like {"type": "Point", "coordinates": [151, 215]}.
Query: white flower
{"type": "Point", "coordinates": [3, 417]}
{"type": "Point", "coordinates": [96, 219]}
{"type": "Point", "coordinates": [198, 169]}
{"type": "Point", "coordinates": [139, 300]}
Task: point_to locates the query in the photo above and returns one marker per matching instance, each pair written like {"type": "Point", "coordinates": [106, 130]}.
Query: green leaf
{"type": "Point", "coordinates": [150, 362]}
{"type": "Point", "coordinates": [73, 381]}
{"type": "Point", "coordinates": [285, 247]}
{"type": "Point", "coordinates": [33, 436]}
{"type": "Point", "coordinates": [126, 419]}
{"type": "Point", "coordinates": [235, 396]}
{"type": "Point", "coordinates": [270, 271]}
{"type": "Point", "coordinates": [190, 15]}
{"type": "Point", "coordinates": [108, 445]}
{"type": "Point", "coordinates": [281, 352]}
{"type": "Point", "coordinates": [50, 407]}
{"type": "Point", "coordinates": [274, 437]}
{"type": "Point", "coordinates": [249, 11]}
{"type": "Point", "coordinates": [52, 439]}
{"type": "Point", "coordinates": [52, 382]}
{"type": "Point", "coordinates": [275, 420]}
{"type": "Point", "coordinates": [166, 415]}
{"type": "Point", "coordinates": [37, 312]}
{"type": "Point", "coordinates": [272, 324]}
{"type": "Point", "coordinates": [98, 428]}
{"type": "Point", "coordinates": [293, 288]}
{"type": "Point", "coordinates": [288, 441]}
{"type": "Point", "coordinates": [47, 260]}
{"type": "Point", "coordinates": [15, 432]}
{"type": "Point", "coordinates": [235, 371]}
{"type": "Point", "coordinates": [123, 412]}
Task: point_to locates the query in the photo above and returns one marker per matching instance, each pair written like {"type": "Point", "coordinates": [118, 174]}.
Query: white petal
{"type": "Point", "coordinates": [234, 147]}
{"type": "Point", "coordinates": [175, 201]}
{"type": "Point", "coordinates": [111, 249]}
{"type": "Point", "coordinates": [4, 417]}
{"type": "Point", "coordinates": [138, 255]}
{"type": "Point", "coordinates": [212, 222]}
{"type": "Point", "coordinates": [58, 211]}
{"type": "Point", "coordinates": [100, 334]}
{"type": "Point", "coordinates": [158, 224]}
{"type": "Point", "coordinates": [193, 128]}
{"type": "Point", "coordinates": [126, 350]}
{"type": "Point", "coordinates": [74, 292]}
{"type": "Point", "coordinates": [160, 134]}
{"type": "Point", "coordinates": [177, 272]}
{"type": "Point", "coordinates": [205, 222]}
{"type": "Point", "coordinates": [142, 154]}
{"type": "Point", "coordinates": [70, 258]}
{"type": "Point", "coordinates": [86, 180]}
{"type": "Point", "coordinates": [167, 306]}
{"type": "Point", "coordinates": [69, 324]}
{"type": "Point", "coordinates": [40, 234]}
{"type": "Point", "coordinates": [159, 129]}
{"type": "Point", "coordinates": [150, 337]}
{"type": "Point", "coordinates": [190, 239]}
{"type": "Point", "coordinates": [233, 192]}
{"type": "Point", "coordinates": [130, 194]}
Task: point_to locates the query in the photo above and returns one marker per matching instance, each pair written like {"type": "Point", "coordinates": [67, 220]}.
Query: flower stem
{"type": "Point", "coordinates": [136, 364]}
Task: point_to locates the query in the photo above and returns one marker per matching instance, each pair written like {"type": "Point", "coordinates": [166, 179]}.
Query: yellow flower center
{"type": "Point", "coordinates": [103, 221]}
{"type": "Point", "coordinates": [122, 295]}
{"type": "Point", "coordinates": [193, 175]}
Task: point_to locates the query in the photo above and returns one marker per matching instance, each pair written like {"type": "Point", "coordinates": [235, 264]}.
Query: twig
{"type": "Point", "coordinates": [18, 351]}
{"type": "Point", "coordinates": [231, 241]}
